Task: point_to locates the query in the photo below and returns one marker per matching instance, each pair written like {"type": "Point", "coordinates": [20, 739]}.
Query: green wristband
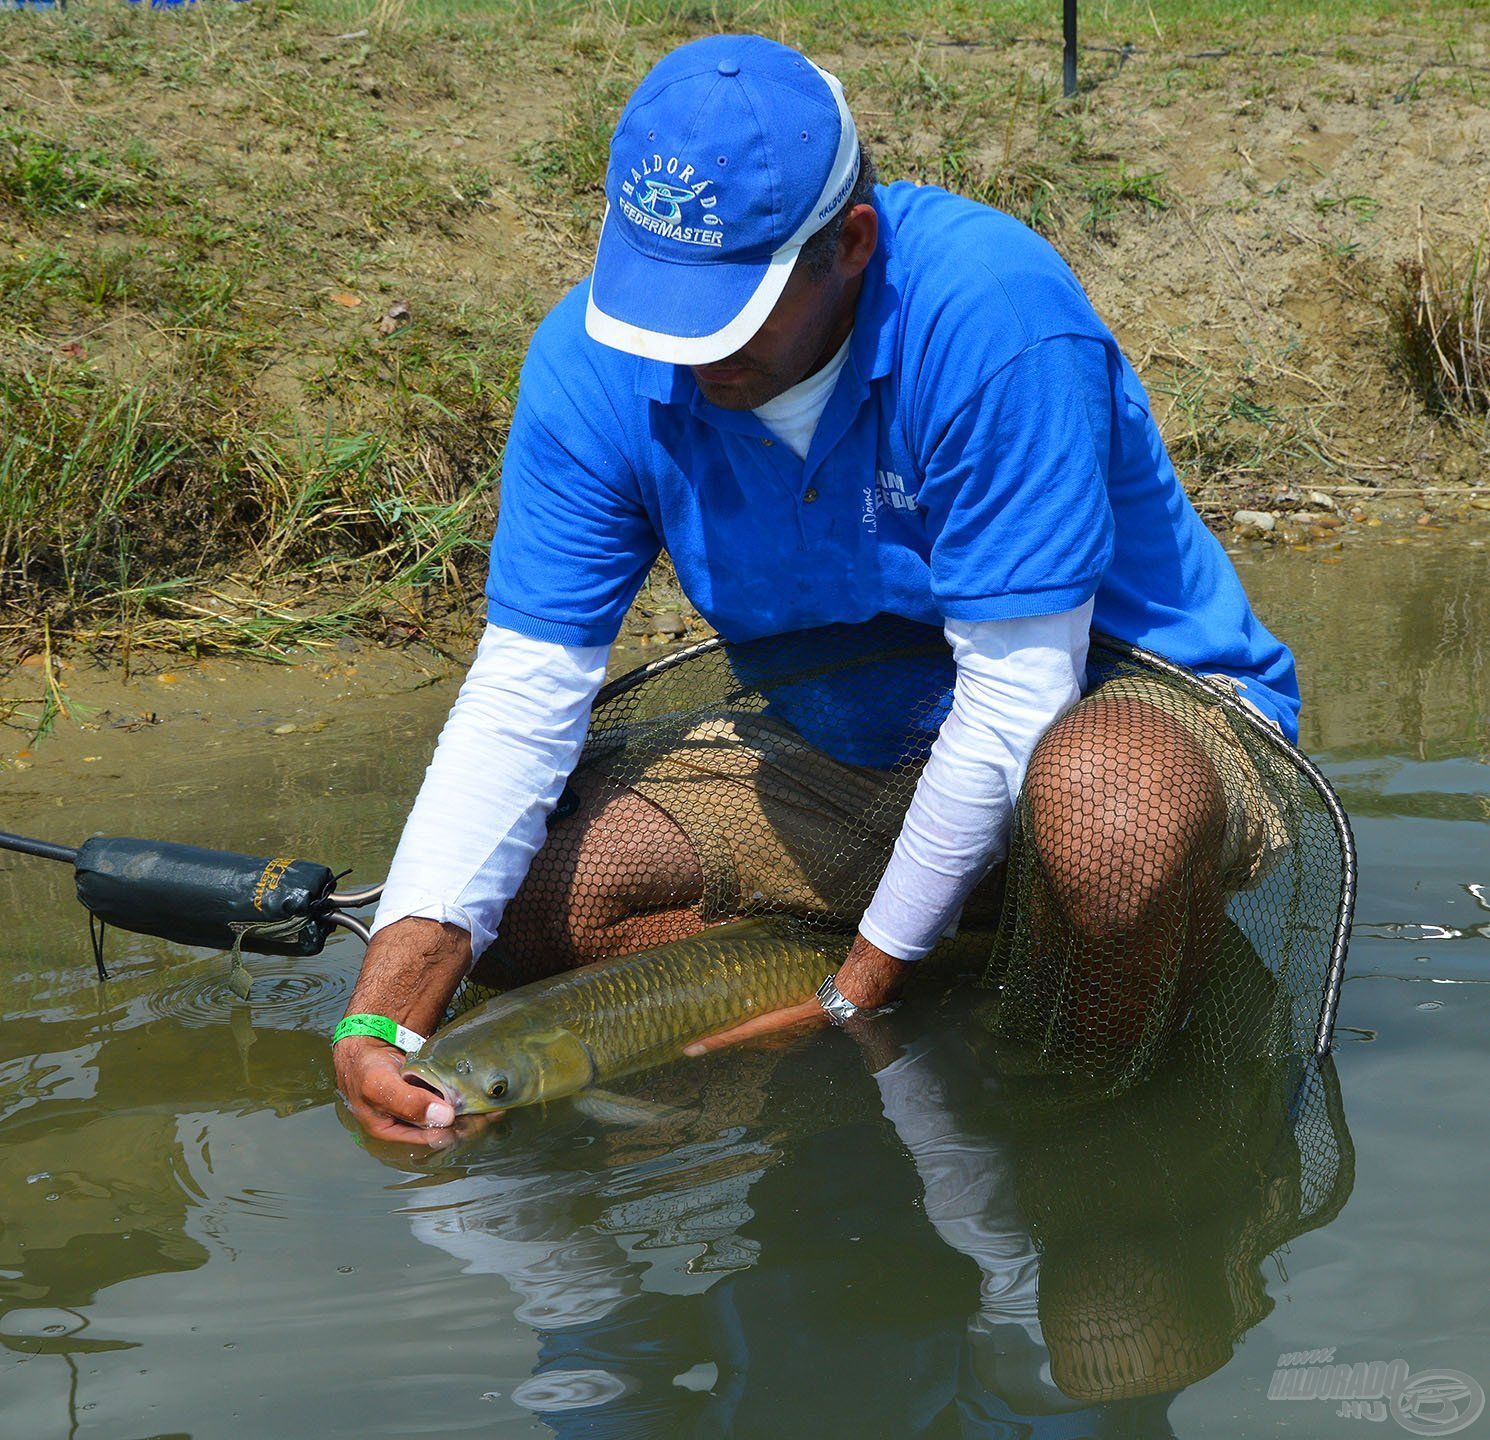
{"type": "Point", "coordinates": [380, 1027]}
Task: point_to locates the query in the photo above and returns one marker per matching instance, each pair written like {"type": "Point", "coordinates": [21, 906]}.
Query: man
{"type": "Point", "coordinates": [828, 400]}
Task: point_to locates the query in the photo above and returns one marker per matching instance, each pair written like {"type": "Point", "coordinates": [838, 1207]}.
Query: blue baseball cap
{"type": "Point", "coordinates": [732, 152]}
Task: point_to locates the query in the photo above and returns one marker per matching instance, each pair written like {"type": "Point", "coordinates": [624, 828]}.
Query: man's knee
{"type": "Point", "coordinates": [616, 856]}
{"type": "Point", "coordinates": [1126, 813]}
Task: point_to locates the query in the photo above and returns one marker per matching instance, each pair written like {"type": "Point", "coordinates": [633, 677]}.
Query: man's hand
{"type": "Point", "coordinates": [385, 1105]}
{"type": "Point", "coordinates": [409, 974]}
{"type": "Point", "coordinates": [868, 977]}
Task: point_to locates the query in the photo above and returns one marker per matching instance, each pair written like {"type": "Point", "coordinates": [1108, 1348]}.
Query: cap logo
{"type": "Point", "coordinates": [655, 194]}
{"type": "Point", "coordinates": [830, 206]}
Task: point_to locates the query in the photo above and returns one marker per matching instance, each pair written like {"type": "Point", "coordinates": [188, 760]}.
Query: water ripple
{"type": "Point", "coordinates": [570, 1390]}
{"type": "Point", "coordinates": [286, 995]}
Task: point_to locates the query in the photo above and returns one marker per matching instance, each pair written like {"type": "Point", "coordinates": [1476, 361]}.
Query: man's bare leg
{"type": "Point", "coordinates": [615, 876]}
{"type": "Point", "coordinates": [1128, 816]}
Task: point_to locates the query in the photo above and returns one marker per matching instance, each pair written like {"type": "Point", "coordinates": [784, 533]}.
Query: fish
{"type": "Point", "coordinates": [581, 1029]}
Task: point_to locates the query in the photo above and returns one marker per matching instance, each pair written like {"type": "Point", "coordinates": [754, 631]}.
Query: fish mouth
{"type": "Point", "coordinates": [420, 1073]}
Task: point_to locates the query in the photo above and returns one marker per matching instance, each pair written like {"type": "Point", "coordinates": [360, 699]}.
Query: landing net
{"type": "Point", "coordinates": [1176, 869]}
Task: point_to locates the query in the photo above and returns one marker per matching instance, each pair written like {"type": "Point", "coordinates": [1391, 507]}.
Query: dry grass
{"type": "Point", "coordinates": [1441, 320]}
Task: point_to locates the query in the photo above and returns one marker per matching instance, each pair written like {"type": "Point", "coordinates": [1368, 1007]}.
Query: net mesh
{"type": "Point", "coordinates": [1172, 870]}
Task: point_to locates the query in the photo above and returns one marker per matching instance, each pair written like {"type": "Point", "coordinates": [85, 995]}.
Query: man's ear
{"type": "Point", "coordinates": [857, 240]}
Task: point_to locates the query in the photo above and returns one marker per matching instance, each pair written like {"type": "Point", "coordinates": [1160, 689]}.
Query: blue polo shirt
{"type": "Point", "coordinates": [987, 453]}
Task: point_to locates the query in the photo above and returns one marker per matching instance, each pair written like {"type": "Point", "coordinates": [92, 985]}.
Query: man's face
{"type": "Point", "coordinates": [780, 353]}
{"type": "Point", "coordinates": [803, 331]}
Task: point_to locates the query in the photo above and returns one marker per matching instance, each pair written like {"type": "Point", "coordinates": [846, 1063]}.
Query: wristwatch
{"type": "Point", "coordinates": [836, 1007]}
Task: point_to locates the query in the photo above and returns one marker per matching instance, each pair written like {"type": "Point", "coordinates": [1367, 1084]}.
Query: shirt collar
{"type": "Point", "coordinates": [876, 327]}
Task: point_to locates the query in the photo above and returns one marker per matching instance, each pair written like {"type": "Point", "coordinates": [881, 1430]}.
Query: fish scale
{"type": "Point", "coordinates": [663, 998]}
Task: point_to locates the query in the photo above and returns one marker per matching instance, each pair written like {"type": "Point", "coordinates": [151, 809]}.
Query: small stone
{"type": "Point", "coordinates": [1322, 501]}
{"type": "Point", "coordinates": [670, 623]}
{"type": "Point", "coordinates": [285, 729]}
{"type": "Point", "coordinates": [397, 314]}
{"type": "Point", "coordinates": [1254, 520]}
{"type": "Point", "coordinates": [1424, 518]}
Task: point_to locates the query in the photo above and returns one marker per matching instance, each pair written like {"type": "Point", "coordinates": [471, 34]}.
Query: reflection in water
{"type": "Point", "coordinates": [1393, 648]}
{"type": "Point", "coordinates": [981, 1265]}
{"type": "Point", "coordinates": [101, 1150]}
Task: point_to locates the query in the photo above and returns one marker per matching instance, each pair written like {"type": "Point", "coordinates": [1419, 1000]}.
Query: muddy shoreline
{"type": "Point", "coordinates": [240, 715]}
{"type": "Point", "coordinates": [297, 330]}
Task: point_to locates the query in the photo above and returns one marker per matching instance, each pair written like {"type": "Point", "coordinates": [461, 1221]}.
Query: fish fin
{"type": "Point", "coordinates": [614, 1109]}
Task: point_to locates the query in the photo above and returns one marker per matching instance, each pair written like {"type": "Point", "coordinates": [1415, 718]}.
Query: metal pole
{"type": "Point", "coordinates": [24, 845]}
{"type": "Point", "coordinates": [1070, 56]}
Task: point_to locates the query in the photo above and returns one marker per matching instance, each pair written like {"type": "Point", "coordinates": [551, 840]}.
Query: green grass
{"type": "Point", "coordinates": [45, 176]}
{"type": "Point", "coordinates": [201, 446]}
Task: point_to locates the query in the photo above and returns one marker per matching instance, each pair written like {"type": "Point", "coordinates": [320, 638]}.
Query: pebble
{"type": "Point", "coordinates": [669, 624]}
{"type": "Point", "coordinates": [1254, 520]}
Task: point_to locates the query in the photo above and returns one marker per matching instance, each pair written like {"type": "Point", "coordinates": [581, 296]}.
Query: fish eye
{"type": "Point", "coordinates": [497, 1088]}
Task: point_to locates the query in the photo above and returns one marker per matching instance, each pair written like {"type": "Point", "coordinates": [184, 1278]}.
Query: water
{"type": "Point", "coordinates": [810, 1240]}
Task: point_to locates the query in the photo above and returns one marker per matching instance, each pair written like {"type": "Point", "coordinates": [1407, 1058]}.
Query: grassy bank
{"type": "Point", "coordinates": [267, 271]}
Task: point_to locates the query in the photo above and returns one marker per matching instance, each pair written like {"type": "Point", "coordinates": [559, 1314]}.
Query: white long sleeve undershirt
{"type": "Point", "coordinates": [967, 1181]}
{"type": "Point", "coordinates": [513, 736]}
{"type": "Point", "coordinates": [518, 725]}
{"type": "Point", "coordinates": [1014, 679]}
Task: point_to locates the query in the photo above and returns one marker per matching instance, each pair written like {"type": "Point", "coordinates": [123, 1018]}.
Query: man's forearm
{"type": "Point", "coordinates": [1013, 679]}
{"type": "Point", "coordinates": [512, 738]}
{"type": "Point", "coordinates": [410, 972]}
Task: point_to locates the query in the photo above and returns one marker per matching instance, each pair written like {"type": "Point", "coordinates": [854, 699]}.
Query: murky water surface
{"type": "Point", "coordinates": [815, 1240]}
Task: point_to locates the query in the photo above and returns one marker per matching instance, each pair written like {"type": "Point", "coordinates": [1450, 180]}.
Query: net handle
{"type": "Point", "coordinates": [1335, 976]}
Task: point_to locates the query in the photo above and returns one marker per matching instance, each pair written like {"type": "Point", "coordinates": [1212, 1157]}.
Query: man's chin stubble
{"type": "Point", "coordinates": [747, 396]}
